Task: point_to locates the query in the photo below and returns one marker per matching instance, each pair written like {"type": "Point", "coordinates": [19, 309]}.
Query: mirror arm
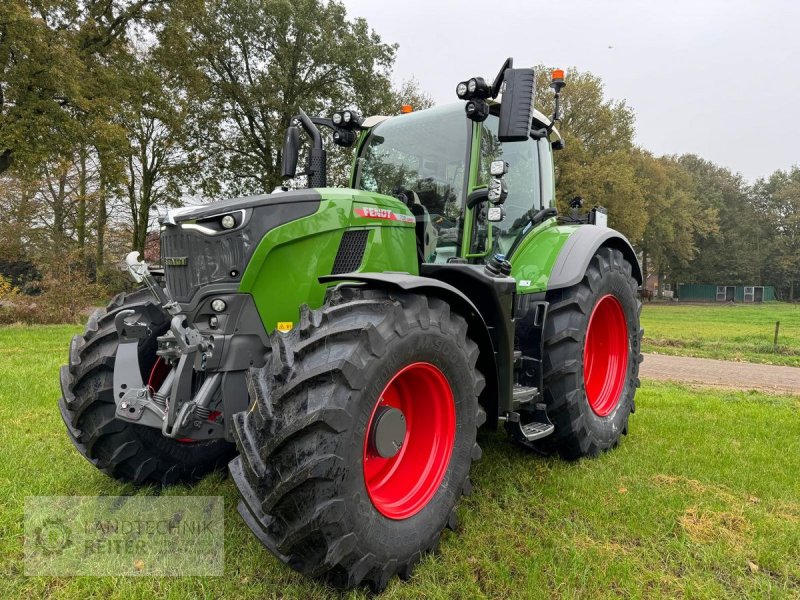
{"type": "Point", "coordinates": [542, 215]}
{"type": "Point", "coordinates": [542, 132]}
{"type": "Point", "coordinates": [322, 121]}
{"type": "Point", "coordinates": [498, 81]}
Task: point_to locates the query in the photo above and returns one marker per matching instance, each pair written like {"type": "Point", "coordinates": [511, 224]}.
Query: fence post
{"type": "Point", "coordinates": [775, 340]}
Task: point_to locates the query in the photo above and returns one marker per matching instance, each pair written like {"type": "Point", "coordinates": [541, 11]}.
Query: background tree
{"type": "Point", "coordinates": [777, 201]}
{"type": "Point", "coordinates": [55, 57]}
{"type": "Point", "coordinates": [157, 161]}
{"type": "Point", "coordinates": [597, 162]}
{"type": "Point", "coordinates": [250, 64]}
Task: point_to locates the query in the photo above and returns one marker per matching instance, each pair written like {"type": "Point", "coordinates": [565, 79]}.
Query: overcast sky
{"type": "Point", "coordinates": [719, 78]}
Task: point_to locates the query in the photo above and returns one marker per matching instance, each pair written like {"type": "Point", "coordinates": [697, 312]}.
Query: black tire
{"type": "Point", "coordinates": [579, 430]}
{"type": "Point", "coordinates": [300, 468]}
{"type": "Point", "coordinates": [125, 451]}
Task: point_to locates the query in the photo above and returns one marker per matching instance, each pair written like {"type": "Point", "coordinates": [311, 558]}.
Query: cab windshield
{"type": "Point", "coordinates": [421, 156]}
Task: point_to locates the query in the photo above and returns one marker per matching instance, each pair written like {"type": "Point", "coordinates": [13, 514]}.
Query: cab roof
{"type": "Point", "coordinates": [539, 120]}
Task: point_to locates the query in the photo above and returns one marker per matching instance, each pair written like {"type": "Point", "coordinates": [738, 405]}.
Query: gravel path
{"type": "Point", "coordinates": [721, 373]}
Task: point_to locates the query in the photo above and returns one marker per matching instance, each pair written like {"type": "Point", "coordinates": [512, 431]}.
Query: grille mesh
{"type": "Point", "coordinates": [208, 260]}
{"type": "Point", "coordinates": [351, 251]}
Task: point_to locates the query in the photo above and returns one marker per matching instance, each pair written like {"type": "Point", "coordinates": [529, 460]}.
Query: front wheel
{"type": "Point", "coordinates": [359, 441]}
{"type": "Point", "coordinates": [592, 345]}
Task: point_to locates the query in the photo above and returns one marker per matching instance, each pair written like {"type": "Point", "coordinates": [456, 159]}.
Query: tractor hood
{"type": "Point", "coordinates": [212, 243]}
{"type": "Point", "coordinates": [189, 214]}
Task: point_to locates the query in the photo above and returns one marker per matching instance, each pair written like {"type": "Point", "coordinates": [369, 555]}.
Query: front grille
{"type": "Point", "coordinates": [351, 251]}
{"type": "Point", "coordinates": [192, 259]}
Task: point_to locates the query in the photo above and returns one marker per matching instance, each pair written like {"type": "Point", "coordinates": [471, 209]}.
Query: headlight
{"type": "Point", "coordinates": [347, 116]}
{"type": "Point", "coordinates": [472, 85]}
{"type": "Point", "coordinates": [228, 222]}
{"type": "Point", "coordinates": [461, 90]}
{"type": "Point", "coordinates": [218, 305]}
{"type": "Point", "coordinates": [337, 118]}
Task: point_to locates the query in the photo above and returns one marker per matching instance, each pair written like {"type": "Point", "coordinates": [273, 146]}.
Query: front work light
{"type": "Point", "coordinates": [498, 168]}
{"type": "Point", "coordinates": [477, 110]}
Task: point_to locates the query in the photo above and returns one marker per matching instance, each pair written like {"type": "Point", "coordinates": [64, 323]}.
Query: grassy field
{"type": "Point", "coordinates": [702, 499]}
{"type": "Point", "coordinates": [730, 332]}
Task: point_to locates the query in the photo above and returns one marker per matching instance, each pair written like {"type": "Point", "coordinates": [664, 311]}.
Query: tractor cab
{"type": "Point", "coordinates": [435, 159]}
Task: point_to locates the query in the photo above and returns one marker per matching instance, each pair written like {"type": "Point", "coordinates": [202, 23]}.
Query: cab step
{"type": "Point", "coordinates": [524, 395]}
{"type": "Point", "coordinates": [531, 425]}
{"type": "Point", "coordinates": [535, 430]}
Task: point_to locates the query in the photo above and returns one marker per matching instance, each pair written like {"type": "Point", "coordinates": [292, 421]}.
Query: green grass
{"type": "Point", "coordinates": [730, 332]}
{"type": "Point", "coordinates": [702, 499]}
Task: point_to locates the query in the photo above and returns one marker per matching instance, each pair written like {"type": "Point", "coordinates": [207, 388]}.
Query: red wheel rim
{"type": "Point", "coordinates": [402, 485]}
{"type": "Point", "coordinates": [605, 355]}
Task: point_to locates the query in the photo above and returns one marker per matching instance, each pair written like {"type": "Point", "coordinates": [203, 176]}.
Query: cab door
{"type": "Point", "coordinates": [530, 188]}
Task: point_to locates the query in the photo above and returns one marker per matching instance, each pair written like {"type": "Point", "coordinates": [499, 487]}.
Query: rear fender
{"type": "Point", "coordinates": [577, 251]}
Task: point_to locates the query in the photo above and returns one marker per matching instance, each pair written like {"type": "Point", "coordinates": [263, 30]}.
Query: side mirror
{"type": "Point", "coordinates": [516, 109]}
{"type": "Point", "coordinates": [291, 150]}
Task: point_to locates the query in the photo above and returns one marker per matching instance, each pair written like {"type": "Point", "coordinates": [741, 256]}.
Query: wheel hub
{"type": "Point", "coordinates": [387, 432]}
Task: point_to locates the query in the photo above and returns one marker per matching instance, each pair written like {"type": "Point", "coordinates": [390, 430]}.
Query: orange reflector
{"type": "Point", "coordinates": [558, 74]}
{"type": "Point", "coordinates": [406, 108]}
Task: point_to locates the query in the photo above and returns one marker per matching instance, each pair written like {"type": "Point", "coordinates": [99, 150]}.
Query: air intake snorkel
{"type": "Point", "coordinates": [316, 166]}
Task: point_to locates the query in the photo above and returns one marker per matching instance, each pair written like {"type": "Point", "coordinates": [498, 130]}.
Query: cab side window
{"type": "Point", "coordinates": [524, 186]}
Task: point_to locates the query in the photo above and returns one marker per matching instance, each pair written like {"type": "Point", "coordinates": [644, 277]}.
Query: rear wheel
{"type": "Point", "coordinates": [126, 451]}
{"type": "Point", "coordinates": [592, 342]}
{"type": "Point", "coordinates": [359, 441]}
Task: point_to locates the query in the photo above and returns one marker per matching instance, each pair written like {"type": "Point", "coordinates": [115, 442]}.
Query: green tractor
{"type": "Point", "coordinates": [338, 348]}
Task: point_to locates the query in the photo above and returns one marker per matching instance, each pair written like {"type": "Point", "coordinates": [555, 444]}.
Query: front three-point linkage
{"type": "Point", "coordinates": [174, 407]}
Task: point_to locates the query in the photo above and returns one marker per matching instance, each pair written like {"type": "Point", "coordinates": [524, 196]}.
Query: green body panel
{"type": "Point", "coordinates": [533, 260]}
{"type": "Point", "coordinates": [283, 272]}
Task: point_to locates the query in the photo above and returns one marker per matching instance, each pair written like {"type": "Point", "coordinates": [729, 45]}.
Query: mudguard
{"type": "Point", "coordinates": [577, 251]}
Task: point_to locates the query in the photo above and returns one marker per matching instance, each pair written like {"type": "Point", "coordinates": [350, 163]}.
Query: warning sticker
{"type": "Point", "coordinates": [373, 212]}
{"type": "Point", "coordinates": [285, 326]}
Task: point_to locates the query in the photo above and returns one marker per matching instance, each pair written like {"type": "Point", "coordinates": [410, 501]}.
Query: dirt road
{"type": "Point", "coordinates": [721, 373]}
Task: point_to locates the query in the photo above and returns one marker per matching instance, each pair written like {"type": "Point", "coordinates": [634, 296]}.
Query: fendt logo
{"type": "Point", "coordinates": [372, 212]}
{"type": "Point", "coordinates": [176, 261]}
